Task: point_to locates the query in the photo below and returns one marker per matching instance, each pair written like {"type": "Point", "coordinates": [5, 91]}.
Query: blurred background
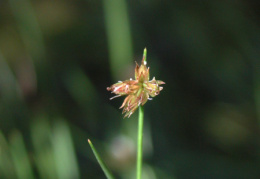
{"type": "Point", "coordinates": [58, 57]}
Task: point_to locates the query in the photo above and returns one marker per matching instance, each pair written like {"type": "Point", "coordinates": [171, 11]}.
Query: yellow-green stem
{"type": "Point", "coordinates": [140, 143]}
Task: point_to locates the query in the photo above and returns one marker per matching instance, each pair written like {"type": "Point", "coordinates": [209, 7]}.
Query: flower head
{"type": "Point", "coordinates": [139, 90]}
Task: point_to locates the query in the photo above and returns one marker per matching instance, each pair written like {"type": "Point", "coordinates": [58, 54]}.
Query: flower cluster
{"type": "Point", "coordinates": [139, 90]}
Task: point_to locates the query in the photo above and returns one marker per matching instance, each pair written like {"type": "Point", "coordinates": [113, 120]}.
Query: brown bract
{"type": "Point", "coordinates": [138, 91]}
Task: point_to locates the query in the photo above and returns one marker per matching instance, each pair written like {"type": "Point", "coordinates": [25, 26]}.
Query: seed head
{"type": "Point", "coordinates": [137, 91]}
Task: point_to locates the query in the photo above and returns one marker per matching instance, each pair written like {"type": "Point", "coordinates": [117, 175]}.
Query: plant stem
{"type": "Point", "coordinates": [140, 143]}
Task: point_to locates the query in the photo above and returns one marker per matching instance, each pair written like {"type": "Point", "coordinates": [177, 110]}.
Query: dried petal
{"type": "Point", "coordinates": [123, 88]}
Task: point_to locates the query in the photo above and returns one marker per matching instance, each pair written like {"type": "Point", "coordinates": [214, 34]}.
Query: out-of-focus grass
{"type": "Point", "coordinates": [41, 133]}
{"type": "Point", "coordinates": [30, 31]}
{"type": "Point", "coordinates": [53, 152]}
{"type": "Point", "coordinates": [7, 169]}
{"type": "Point", "coordinates": [204, 120]}
{"type": "Point", "coordinates": [81, 90]}
{"type": "Point", "coordinates": [9, 86]}
{"type": "Point", "coordinates": [64, 152]}
{"type": "Point", "coordinates": [20, 156]}
{"type": "Point", "coordinates": [119, 36]}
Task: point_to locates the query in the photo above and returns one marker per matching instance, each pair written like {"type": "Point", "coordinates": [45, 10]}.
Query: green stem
{"type": "Point", "coordinates": [140, 143]}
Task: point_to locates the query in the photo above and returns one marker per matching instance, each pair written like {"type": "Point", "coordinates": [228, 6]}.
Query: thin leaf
{"type": "Point", "coordinates": [101, 163]}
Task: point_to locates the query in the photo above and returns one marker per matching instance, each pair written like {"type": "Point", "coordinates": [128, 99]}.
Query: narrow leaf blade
{"type": "Point", "coordinates": [101, 163]}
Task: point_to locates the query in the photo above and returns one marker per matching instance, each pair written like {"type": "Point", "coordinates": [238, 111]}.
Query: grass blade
{"type": "Point", "coordinates": [64, 151]}
{"type": "Point", "coordinates": [101, 163]}
{"type": "Point", "coordinates": [119, 39]}
{"type": "Point", "coordinates": [20, 156]}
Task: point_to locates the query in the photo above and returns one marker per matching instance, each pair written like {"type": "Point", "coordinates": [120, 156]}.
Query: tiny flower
{"type": "Point", "coordinates": [137, 91]}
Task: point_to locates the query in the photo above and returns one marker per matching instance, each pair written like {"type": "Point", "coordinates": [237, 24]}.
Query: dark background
{"type": "Point", "coordinates": [58, 57]}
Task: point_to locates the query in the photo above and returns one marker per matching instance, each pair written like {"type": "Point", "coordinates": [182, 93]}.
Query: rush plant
{"type": "Point", "coordinates": [137, 92]}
